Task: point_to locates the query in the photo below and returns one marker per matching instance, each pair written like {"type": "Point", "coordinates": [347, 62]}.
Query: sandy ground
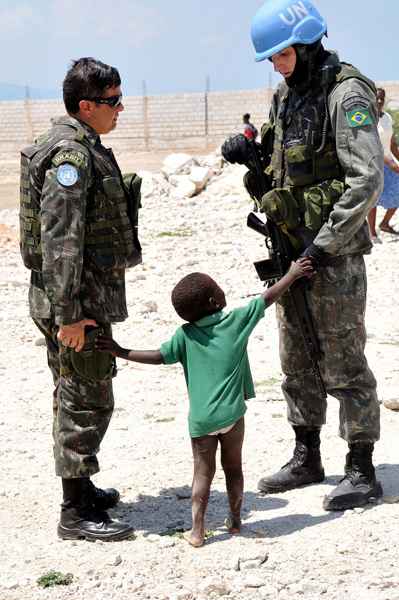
{"type": "Point", "coordinates": [289, 548]}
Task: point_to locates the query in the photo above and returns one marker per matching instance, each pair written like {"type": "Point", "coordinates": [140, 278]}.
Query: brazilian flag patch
{"type": "Point", "coordinates": [359, 117]}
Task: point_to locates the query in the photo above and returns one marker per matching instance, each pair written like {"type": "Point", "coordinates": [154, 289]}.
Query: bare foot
{"type": "Point", "coordinates": [233, 524]}
{"type": "Point", "coordinates": [388, 228]}
{"type": "Point", "coordinates": [193, 540]}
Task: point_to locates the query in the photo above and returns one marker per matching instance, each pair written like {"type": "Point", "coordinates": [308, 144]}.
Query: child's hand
{"type": "Point", "coordinates": [107, 344]}
{"type": "Point", "coordinates": [303, 267]}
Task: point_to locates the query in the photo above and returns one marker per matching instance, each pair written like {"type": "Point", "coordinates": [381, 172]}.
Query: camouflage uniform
{"type": "Point", "coordinates": [335, 175]}
{"type": "Point", "coordinates": [87, 237]}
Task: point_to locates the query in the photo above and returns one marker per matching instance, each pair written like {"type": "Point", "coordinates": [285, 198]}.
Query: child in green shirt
{"type": "Point", "coordinates": [212, 348]}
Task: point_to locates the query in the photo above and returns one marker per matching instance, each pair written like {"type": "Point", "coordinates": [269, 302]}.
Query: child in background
{"type": "Point", "coordinates": [250, 131]}
{"type": "Point", "coordinates": [212, 348]}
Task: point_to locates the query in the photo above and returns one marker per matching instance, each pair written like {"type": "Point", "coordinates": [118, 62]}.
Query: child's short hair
{"type": "Point", "coordinates": [190, 296]}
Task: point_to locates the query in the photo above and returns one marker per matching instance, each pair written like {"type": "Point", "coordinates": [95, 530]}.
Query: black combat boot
{"type": "Point", "coordinates": [304, 467]}
{"type": "Point", "coordinates": [81, 520]}
{"type": "Point", "coordinates": [102, 499]}
{"type": "Point", "coordinates": [359, 486]}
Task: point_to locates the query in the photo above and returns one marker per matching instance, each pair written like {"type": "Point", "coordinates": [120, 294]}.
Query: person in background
{"type": "Point", "coordinates": [250, 131]}
{"type": "Point", "coordinates": [389, 198]}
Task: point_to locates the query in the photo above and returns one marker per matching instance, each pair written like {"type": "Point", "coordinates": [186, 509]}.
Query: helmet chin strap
{"type": "Point", "coordinates": [308, 58]}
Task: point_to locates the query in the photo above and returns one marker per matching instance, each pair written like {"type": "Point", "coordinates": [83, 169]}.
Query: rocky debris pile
{"type": "Point", "coordinates": [183, 176]}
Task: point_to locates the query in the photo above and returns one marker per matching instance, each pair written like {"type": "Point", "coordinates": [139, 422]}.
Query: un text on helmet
{"type": "Point", "coordinates": [294, 13]}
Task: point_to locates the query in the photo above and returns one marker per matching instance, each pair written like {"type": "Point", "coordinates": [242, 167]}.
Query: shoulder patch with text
{"type": "Point", "coordinates": [72, 157]}
{"type": "Point", "coordinates": [359, 117]}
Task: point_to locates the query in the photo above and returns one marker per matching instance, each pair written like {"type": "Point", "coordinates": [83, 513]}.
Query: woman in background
{"type": "Point", "coordinates": [389, 198]}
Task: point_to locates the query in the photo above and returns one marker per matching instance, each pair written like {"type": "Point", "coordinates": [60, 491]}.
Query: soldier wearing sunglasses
{"type": "Point", "coordinates": [78, 235]}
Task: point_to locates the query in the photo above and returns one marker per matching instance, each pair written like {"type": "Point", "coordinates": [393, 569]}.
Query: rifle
{"type": "Point", "coordinates": [270, 270]}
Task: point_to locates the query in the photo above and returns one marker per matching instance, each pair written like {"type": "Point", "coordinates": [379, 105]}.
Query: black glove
{"type": "Point", "coordinates": [315, 253]}
{"type": "Point", "coordinates": [236, 149]}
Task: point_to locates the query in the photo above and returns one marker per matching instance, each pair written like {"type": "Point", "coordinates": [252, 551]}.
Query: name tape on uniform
{"type": "Point", "coordinates": [70, 156]}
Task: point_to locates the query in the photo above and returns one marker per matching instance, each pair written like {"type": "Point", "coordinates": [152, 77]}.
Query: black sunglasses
{"type": "Point", "coordinates": [113, 101]}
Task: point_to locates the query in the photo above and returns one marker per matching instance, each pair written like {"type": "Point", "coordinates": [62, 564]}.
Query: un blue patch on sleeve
{"type": "Point", "coordinates": [67, 175]}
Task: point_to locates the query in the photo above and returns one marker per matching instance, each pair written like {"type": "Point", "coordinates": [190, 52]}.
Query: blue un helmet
{"type": "Point", "coordinates": [279, 24]}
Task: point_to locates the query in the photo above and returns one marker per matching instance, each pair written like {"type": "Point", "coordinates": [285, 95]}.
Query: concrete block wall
{"type": "Point", "coordinates": [41, 112]}
{"type": "Point", "coordinates": [168, 122]}
{"type": "Point", "coordinates": [14, 125]}
{"type": "Point", "coordinates": [226, 110]}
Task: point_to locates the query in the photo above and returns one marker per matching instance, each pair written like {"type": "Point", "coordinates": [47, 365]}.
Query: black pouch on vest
{"type": "Point", "coordinates": [91, 364]}
{"type": "Point", "coordinates": [29, 215]}
{"type": "Point", "coordinates": [132, 183]}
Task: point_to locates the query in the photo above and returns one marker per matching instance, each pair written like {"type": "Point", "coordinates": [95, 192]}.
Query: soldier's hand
{"type": "Point", "coordinates": [315, 253]}
{"type": "Point", "coordinates": [73, 335]}
{"type": "Point", "coordinates": [236, 149]}
{"type": "Point", "coordinates": [105, 343]}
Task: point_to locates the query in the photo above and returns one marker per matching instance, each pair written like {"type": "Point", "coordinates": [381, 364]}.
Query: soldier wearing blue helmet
{"type": "Point", "coordinates": [323, 157]}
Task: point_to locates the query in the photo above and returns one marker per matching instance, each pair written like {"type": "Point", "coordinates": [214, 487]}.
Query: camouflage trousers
{"type": "Point", "coordinates": [82, 409]}
{"type": "Point", "coordinates": [337, 301]}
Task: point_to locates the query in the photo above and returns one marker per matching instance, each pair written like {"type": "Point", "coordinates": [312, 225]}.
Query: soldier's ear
{"type": "Point", "coordinates": [86, 108]}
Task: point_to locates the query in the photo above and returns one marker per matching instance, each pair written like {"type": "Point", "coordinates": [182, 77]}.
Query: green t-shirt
{"type": "Point", "coordinates": [213, 352]}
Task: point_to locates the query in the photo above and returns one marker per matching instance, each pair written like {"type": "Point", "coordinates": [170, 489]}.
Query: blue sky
{"type": "Point", "coordinates": [174, 44]}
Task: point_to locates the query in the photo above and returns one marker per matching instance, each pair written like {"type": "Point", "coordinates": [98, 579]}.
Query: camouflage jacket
{"type": "Point", "coordinates": [70, 285]}
{"type": "Point", "coordinates": [352, 152]}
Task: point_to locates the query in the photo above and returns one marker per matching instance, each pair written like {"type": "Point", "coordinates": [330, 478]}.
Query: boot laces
{"type": "Point", "coordinates": [299, 457]}
{"type": "Point", "coordinates": [352, 475]}
{"type": "Point", "coordinates": [358, 472]}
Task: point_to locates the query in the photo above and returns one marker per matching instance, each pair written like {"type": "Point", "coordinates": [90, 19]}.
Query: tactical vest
{"type": "Point", "coordinates": [111, 238]}
{"type": "Point", "coordinates": [307, 176]}
{"type": "Point", "coordinates": [304, 144]}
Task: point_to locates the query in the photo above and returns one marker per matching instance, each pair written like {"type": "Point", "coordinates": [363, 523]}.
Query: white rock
{"type": "Point", "coordinates": [200, 177]}
{"type": "Point", "coordinates": [175, 164]}
{"type": "Point", "coordinates": [252, 562]}
{"type": "Point", "coordinates": [215, 161]}
{"type": "Point", "coordinates": [185, 188]}
{"type": "Point", "coordinates": [248, 564]}
{"type": "Point", "coordinates": [166, 542]}
{"type": "Point", "coordinates": [209, 586]}
{"type": "Point", "coordinates": [152, 537]}
{"type": "Point", "coordinates": [254, 581]}
{"type": "Point", "coordinates": [149, 307]}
